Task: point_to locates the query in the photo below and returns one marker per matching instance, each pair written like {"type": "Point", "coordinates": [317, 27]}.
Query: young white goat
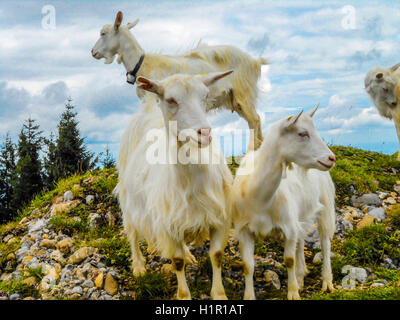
{"type": "Point", "coordinates": [172, 203]}
{"type": "Point", "coordinates": [266, 196]}
{"type": "Point", "coordinates": [381, 85]}
{"type": "Point", "coordinates": [238, 93]}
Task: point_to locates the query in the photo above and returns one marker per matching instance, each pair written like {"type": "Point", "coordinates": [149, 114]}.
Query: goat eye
{"type": "Point", "coordinates": [172, 101]}
{"type": "Point", "coordinates": [102, 34]}
{"type": "Point", "coordinates": [386, 89]}
{"type": "Point", "coordinates": [304, 134]}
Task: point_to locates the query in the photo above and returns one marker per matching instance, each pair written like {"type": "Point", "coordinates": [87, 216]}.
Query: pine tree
{"type": "Point", "coordinates": [107, 161]}
{"type": "Point", "coordinates": [27, 180]}
{"type": "Point", "coordinates": [51, 170]}
{"type": "Point", "coordinates": [7, 170]}
{"type": "Point", "coordinates": [71, 153]}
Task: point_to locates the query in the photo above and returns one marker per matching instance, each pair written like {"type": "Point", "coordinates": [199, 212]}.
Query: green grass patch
{"type": "Point", "coordinates": [153, 285]}
{"type": "Point", "coordinates": [368, 245]}
{"type": "Point", "coordinates": [386, 293]}
{"type": "Point", "coordinates": [69, 225]}
{"type": "Point", "coordinates": [17, 286]}
{"type": "Point", "coordinates": [367, 171]}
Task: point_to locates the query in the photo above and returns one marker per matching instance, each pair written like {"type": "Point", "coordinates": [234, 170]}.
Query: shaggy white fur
{"type": "Point", "coordinates": [278, 187]}
{"type": "Point", "coordinates": [170, 204]}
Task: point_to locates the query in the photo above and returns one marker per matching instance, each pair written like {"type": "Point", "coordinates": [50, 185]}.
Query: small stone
{"type": "Point", "coordinates": [348, 216]}
{"type": "Point", "coordinates": [378, 213]}
{"type": "Point", "coordinates": [89, 199]}
{"type": "Point", "coordinates": [46, 243]}
{"type": "Point", "coordinates": [81, 255]}
{"type": "Point", "coordinates": [15, 296]}
{"type": "Point", "coordinates": [273, 278]}
{"type": "Point", "coordinates": [66, 243]}
{"type": "Point", "coordinates": [88, 284]}
{"type": "Point", "coordinates": [38, 225]}
{"type": "Point", "coordinates": [76, 290]}
{"type": "Point", "coordinates": [353, 274]}
{"type": "Point", "coordinates": [68, 196]}
{"type": "Point", "coordinates": [47, 283]}
{"type": "Point", "coordinates": [110, 285]}
{"type": "Point", "coordinates": [390, 200]}
{"type": "Point", "coordinates": [95, 220]}
{"type": "Point", "coordinates": [99, 280]}
{"type": "Point", "coordinates": [368, 199]}
{"type": "Point", "coordinates": [367, 220]}
{"type": "Point", "coordinates": [57, 256]}
{"type": "Point", "coordinates": [377, 285]}
{"type": "Point", "coordinates": [10, 257]}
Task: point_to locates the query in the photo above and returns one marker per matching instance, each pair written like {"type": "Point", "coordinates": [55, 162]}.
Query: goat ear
{"type": "Point", "coordinates": [149, 85]}
{"type": "Point", "coordinates": [379, 75]}
{"type": "Point", "coordinates": [312, 112]}
{"type": "Point", "coordinates": [395, 67]}
{"type": "Point", "coordinates": [211, 78]}
{"type": "Point", "coordinates": [132, 24]}
{"type": "Point", "coordinates": [118, 20]}
{"type": "Point", "coordinates": [293, 119]}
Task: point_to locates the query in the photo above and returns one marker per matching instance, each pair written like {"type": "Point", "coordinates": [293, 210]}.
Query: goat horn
{"type": "Point", "coordinates": [394, 68]}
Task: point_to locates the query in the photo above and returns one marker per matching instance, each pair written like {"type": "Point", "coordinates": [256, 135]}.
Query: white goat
{"type": "Point", "coordinates": [238, 94]}
{"type": "Point", "coordinates": [267, 196]}
{"type": "Point", "coordinates": [170, 203]}
{"type": "Point", "coordinates": [381, 85]}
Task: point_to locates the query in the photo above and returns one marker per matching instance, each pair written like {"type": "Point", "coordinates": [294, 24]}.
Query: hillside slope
{"type": "Point", "coordinates": [69, 244]}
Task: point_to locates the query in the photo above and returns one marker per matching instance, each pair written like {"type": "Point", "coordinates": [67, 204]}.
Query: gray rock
{"type": "Point", "coordinates": [352, 276]}
{"type": "Point", "coordinates": [68, 196]}
{"type": "Point", "coordinates": [377, 285]}
{"type": "Point", "coordinates": [273, 278]}
{"type": "Point", "coordinates": [95, 220]}
{"type": "Point", "coordinates": [368, 199]}
{"type": "Point", "coordinates": [16, 296]}
{"type": "Point", "coordinates": [21, 253]}
{"type": "Point", "coordinates": [76, 289]}
{"type": "Point", "coordinates": [89, 199]}
{"type": "Point", "coordinates": [39, 225]}
{"type": "Point", "coordinates": [378, 213]}
{"type": "Point", "coordinates": [88, 284]}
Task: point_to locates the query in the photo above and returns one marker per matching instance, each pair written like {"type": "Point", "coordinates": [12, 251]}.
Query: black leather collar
{"type": "Point", "coordinates": [135, 70]}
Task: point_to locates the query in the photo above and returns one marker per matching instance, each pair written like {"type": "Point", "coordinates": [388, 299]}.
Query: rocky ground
{"type": "Point", "coordinates": [69, 244]}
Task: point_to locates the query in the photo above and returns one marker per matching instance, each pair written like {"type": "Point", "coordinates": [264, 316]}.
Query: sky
{"type": "Point", "coordinates": [319, 52]}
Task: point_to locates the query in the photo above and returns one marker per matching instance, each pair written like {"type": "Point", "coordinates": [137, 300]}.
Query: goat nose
{"type": "Point", "coordinates": [394, 104]}
{"type": "Point", "coordinates": [92, 52]}
{"type": "Point", "coordinates": [332, 158]}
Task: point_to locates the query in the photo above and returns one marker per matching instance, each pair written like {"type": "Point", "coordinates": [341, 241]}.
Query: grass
{"type": "Point", "coordinates": [153, 286]}
{"type": "Point", "coordinates": [69, 225]}
{"type": "Point", "coordinates": [367, 246]}
{"type": "Point", "coordinates": [366, 171]}
{"type": "Point", "coordinates": [387, 293]}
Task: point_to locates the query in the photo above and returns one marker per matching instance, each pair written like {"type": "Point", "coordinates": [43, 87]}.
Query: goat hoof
{"type": "Point", "coordinates": [293, 295]}
{"type": "Point", "coordinates": [139, 271]}
{"type": "Point", "coordinates": [219, 296]}
{"type": "Point", "coordinates": [327, 286]}
{"type": "Point", "coordinates": [183, 296]}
